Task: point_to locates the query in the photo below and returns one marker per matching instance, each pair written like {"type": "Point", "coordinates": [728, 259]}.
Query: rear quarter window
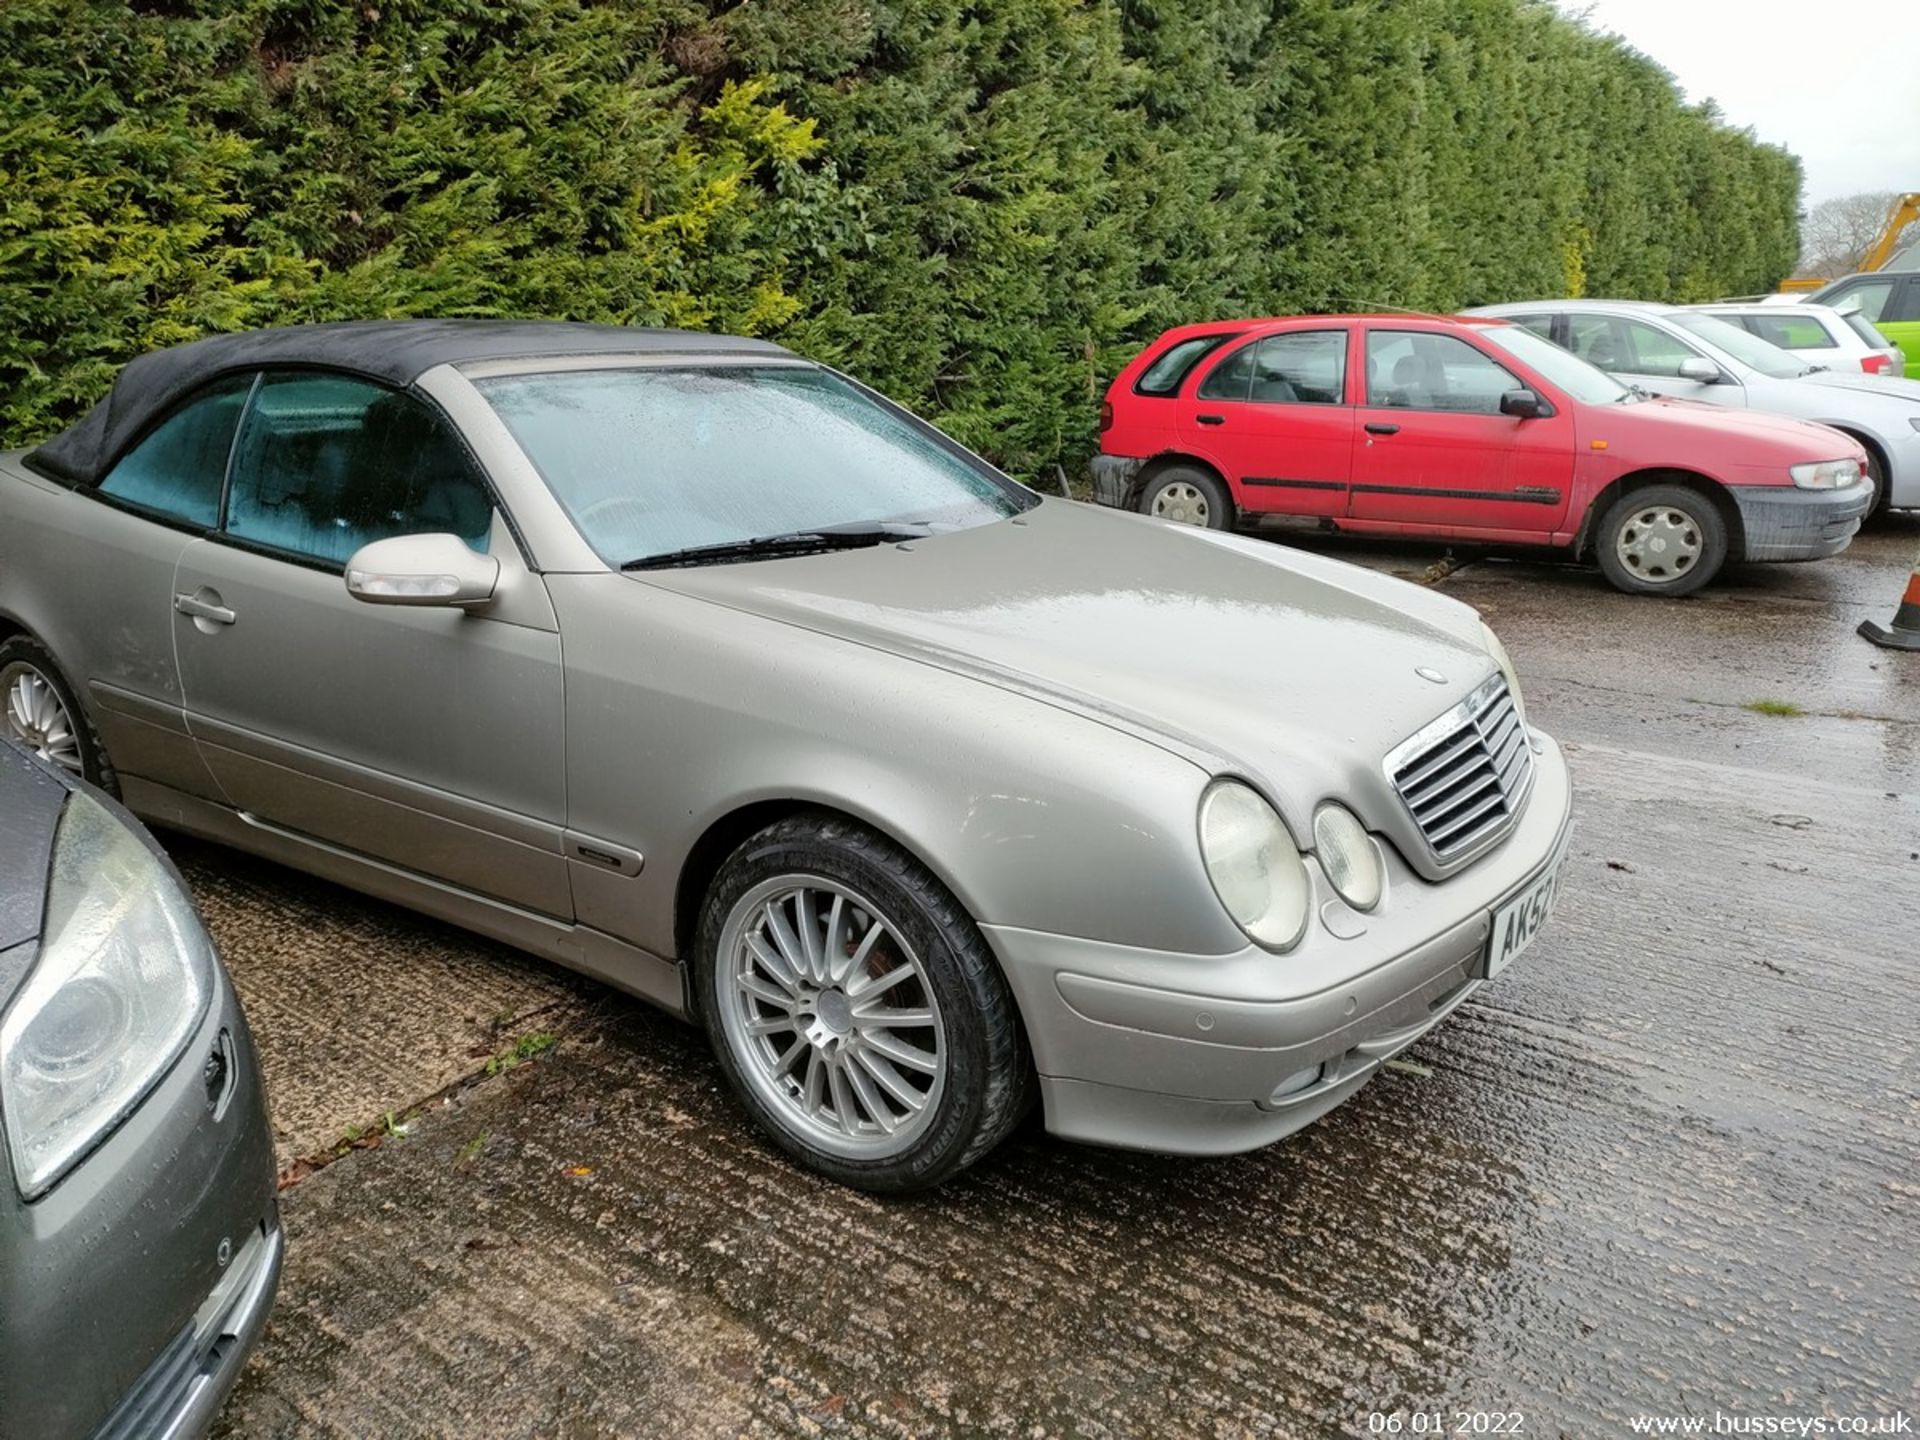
{"type": "Point", "coordinates": [1170, 367]}
{"type": "Point", "coordinates": [176, 472]}
{"type": "Point", "coordinates": [1791, 332]}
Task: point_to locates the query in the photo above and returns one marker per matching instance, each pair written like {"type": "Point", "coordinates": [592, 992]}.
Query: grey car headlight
{"type": "Point", "coordinates": [1254, 865]}
{"type": "Point", "coordinates": [1505, 662]}
{"type": "Point", "coordinates": [1825, 474]}
{"type": "Point", "coordinates": [123, 977]}
{"type": "Point", "coordinates": [1348, 855]}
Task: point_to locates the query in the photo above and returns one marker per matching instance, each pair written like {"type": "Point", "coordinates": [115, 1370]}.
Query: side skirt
{"type": "Point", "coordinates": [626, 967]}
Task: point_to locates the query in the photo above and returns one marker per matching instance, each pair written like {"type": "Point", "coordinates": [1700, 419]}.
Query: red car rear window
{"type": "Point", "coordinates": [1171, 367]}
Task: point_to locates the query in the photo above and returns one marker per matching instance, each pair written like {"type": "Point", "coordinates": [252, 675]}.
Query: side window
{"type": "Point", "coordinates": [178, 470]}
{"type": "Point", "coordinates": [1600, 341]}
{"type": "Point", "coordinates": [1869, 297]}
{"type": "Point", "coordinates": [1541, 325]}
{"type": "Point", "coordinates": [1418, 371]}
{"type": "Point", "coordinates": [1652, 351]}
{"type": "Point", "coordinates": [1790, 331]}
{"type": "Point", "coordinates": [1232, 378]}
{"type": "Point", "coordinates": [1304, 367]}
{"type": "Point", "coordinates": [1907, 305]}
{"type": "Point", "coordinates": [1167, 373]}
{"type": "Point", "coordinates": [325, 464]}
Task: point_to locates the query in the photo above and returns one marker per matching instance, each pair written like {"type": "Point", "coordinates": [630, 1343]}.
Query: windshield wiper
{"type": "Point", "coordinates": [795, 542]}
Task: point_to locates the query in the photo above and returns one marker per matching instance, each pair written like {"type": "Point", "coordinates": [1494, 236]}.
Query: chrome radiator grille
{"type": "Point", "coordinates": [1464, 777]}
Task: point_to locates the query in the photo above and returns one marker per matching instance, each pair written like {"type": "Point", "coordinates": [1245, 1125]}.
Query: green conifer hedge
{"type": "Point", "coordinates": [982, 208]}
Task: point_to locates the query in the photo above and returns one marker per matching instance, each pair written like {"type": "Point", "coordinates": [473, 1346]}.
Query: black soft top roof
{"type": "Point", "coordinates": [394, 352]}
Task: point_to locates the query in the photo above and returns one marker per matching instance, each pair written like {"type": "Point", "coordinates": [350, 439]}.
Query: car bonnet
{"type": "Point", "coordinates": [1895, 388]}
{"type": "Point", "coordinates": [1242, 655]}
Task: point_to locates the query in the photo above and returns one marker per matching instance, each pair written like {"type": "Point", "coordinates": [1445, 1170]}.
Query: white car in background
{"type": "Point", "coordinates": [1826, 338]}
{"type": "Point", "coordinates": [1685, 353]}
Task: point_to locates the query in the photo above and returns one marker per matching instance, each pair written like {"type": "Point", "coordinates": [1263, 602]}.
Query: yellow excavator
{"type": "Point", "coordinates": [1906, 210]}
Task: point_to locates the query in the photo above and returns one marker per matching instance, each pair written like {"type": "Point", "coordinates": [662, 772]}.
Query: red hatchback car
{"type": "Point", "coordinates": [1467, 429]}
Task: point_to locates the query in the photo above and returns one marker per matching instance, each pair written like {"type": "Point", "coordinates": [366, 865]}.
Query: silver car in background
{"type": "Point", "coordinates": [139, 1241]}
{"type": "Point", "coordinates": [704, 670]}
{"type": "Point", "coordinates": [1825, 338]}
{"type": "Point", "coordinates": [1691, 355]}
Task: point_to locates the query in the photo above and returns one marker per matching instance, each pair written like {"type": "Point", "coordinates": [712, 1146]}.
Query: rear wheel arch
{"type": "Point", "coordinates": [19, 643]}
{"type": "Point", "coordinates": [1712, 489]}
{"type": "Point", "coordinates": [1165, 461]}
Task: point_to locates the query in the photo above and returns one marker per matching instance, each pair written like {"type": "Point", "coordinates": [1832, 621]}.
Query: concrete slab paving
{"type": "Point", "coordinates": [1669, 1163]}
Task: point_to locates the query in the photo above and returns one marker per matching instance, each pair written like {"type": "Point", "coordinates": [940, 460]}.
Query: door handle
{"type": "Point", "coordinates": [1375, 427]}
{"type": "Point", "coordinates": [1210, 419]}
{"type": "Point", "coordinates": [204, 609]}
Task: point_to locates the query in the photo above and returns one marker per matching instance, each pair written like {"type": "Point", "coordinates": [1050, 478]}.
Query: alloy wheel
{"type": "Point", "coordinates": [1659, 545]}
{"type": "Point", "coordinates": [832, 1017]}
{"type": "Point", "coordinates": [35, 717]}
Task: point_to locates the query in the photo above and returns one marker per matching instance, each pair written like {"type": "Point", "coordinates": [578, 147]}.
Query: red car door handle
{"type": "Point", "coordinates": [1376, 428]}
{"type": "Point", "coordinates": [1210, 419]}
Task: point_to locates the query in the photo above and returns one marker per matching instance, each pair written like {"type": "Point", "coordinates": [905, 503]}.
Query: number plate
{"type": "Point", "coordinates": [1516, 923]}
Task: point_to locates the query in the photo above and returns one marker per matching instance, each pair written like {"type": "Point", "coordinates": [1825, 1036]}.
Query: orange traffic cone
{"type": "Point", "coordinates": [1904, 632]}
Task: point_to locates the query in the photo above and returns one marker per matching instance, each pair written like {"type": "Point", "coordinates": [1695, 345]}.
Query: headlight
{"type": "Point", "coordinates": [1825, 474]}
{"type": "Point", "coordinates": [123, 977]}
{"type": "Point", "coordinates": [1348, 855]}
{"type": "Point", "coordinates": [1254, 865]}
{"type": "Point", "coordinates": [1505, 662]}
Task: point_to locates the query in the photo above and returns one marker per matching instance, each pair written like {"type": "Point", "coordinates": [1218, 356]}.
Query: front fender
{"type": "Point", "coordinates": [681, 712]}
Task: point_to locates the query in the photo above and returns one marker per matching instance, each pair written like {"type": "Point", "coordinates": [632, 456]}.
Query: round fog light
{"type": "Point", "coordinates": [1348, 855]}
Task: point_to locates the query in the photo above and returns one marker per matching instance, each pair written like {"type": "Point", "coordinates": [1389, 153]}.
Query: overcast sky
{"type": "Point", "coordinates": [1837, 83]}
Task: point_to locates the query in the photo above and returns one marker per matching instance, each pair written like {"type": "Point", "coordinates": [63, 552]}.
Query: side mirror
{"type": "Point", "coordinates": [1525, 405]}
{"type": "Point", "coordinates": [1700, 370]}
{"type": "Point", "coordinates": [421, 570]}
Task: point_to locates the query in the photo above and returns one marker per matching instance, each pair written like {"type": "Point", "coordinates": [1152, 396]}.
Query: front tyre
{"type": "Point", "coordinates": [855, 1008]}
{"type": "Point", "coordinates": [1662, 540]}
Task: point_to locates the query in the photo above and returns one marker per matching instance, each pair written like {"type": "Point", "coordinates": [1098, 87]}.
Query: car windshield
{"type": "Point", "coordinates": [1749, 349]}
{"type": "Point", "coordinates": [1572, 374]}
{"type": "Point", "coordinates": [653, 462]}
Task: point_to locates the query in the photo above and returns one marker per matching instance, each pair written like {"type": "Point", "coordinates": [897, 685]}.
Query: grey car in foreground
{"type": "Point", "coordinates": [703, 669]}
{"type": "Point", "coordinates": [139, 1245]}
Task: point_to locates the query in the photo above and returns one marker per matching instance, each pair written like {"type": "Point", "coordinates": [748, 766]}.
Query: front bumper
{"type": "Point", "coordinates": [1785, 523]}
{"type": "Point", "coordinates": [133, 1290]}
{"type": "Point", "coordinates": [1188, 1054]}
{"type": "Point", "coordinates": [1113, 477]}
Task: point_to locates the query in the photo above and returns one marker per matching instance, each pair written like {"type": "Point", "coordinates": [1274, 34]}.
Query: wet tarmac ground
{"type": "Point", "coordinates": [1669, 1164]}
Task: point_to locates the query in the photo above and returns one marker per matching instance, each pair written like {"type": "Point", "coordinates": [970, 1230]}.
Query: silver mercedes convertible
{"type": "Point", "coordinates": [703, 669]}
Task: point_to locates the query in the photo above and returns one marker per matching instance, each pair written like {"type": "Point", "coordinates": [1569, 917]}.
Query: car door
{"type": "Point", "coordinates": [1436, 451]}
{"type": "Point", "coordinates": [1635, 352]}
{"type": "Point", "coordinates": [111, 576]}
{"type": "Point", "coordinates": [427, 737]}
{"type": "Point", "coordinates": [1274, 412]}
